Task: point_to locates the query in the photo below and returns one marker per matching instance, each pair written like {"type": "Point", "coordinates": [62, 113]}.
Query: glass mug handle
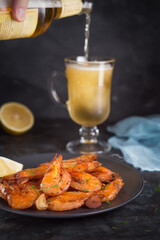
{"type": "Point", "coordinates": [52, 89]}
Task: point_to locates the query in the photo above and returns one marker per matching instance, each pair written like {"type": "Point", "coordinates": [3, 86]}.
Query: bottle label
{"type": "Point", "coordinates": [11, 29]}
{"type": "Point", "coordinates": [69, 8]}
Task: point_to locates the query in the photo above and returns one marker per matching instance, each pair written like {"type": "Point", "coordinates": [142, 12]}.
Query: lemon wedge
{"type": "Point", "coordinates": [8, 166]}
{"type": "Point", "coordinates": [16, 118]}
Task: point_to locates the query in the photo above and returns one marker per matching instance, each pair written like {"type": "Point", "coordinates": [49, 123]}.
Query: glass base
{"type": "Point", "coordinates": [98, 147]}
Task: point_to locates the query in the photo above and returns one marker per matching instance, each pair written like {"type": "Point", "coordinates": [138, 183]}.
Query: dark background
{"type": "Point", "coordinates": [125, 30]}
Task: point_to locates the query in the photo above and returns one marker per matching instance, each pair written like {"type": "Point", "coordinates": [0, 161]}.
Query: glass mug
{"type": "Point", "coordinates": [89, 91]}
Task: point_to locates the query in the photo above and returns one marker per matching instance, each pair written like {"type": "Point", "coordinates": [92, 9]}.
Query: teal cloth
{"type": "Point", "coordinates": [138, 138]}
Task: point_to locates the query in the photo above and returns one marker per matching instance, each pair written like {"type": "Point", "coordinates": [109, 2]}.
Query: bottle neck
{"type": "Point", "coordinates": [87, 6]}
{"type": "Point", "coordinates": [72, 7]}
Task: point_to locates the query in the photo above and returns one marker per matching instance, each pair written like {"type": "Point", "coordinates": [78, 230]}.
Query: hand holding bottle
{"type": "Point", "coordinates": [37, 15]}
{"type": "Point", "coordinates": [19, 9]}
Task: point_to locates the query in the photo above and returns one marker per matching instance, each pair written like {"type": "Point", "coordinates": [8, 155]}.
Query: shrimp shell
{"type": "Point", "coordinates": [85, 182]}
{"type": "Point", "coordinates": [22, 197]}
{"type": "Point", "coordinates": [56, 180]}
{"type": "Point", "coordinates": [67, 201]}
{"type": "Point", "coordinates": [111, 189]}
{"type": "Point", "coordinates": [104, 174]}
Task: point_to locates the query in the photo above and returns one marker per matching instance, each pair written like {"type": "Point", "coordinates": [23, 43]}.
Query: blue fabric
{"type": "Point", "coordinates": [138, 138]}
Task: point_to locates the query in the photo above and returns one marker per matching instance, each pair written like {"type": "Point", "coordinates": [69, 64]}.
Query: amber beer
{"type": "Point", "coordinates": [89, 90]}
{"type": "Point", "coordinates": [39, 16]}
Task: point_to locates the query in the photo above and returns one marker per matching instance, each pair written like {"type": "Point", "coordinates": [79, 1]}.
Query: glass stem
{"type": "Point", "coordinates": [88, 135]}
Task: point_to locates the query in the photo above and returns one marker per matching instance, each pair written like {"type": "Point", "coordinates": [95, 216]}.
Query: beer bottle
{"type": "Point", "coordinates": [39, 16]}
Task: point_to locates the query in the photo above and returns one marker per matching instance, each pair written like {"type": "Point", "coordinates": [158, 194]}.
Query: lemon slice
{"type": "Point", "coordinates": [16, 118]}
{"type": "Point", "coordinates": [8, 166]}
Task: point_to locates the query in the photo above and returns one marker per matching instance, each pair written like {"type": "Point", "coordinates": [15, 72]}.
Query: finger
{"type": "Point", "coordinates": [19, 9]}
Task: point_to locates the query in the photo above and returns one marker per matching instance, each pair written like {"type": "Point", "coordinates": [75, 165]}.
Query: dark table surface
{"type": "Point", "coordinates": [140, 219]}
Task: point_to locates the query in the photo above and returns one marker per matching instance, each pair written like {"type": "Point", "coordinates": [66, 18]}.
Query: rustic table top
{"type": "Point", "coordinates": [140, 219]}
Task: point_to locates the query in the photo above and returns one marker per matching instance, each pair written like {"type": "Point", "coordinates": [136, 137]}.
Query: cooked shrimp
{"type": "Point", "coordinates": [82, 166]}
{"type": "Point", "coordinates": [84, 158]}
{"type": "Point", "coordinates": [70, 163]}
{"type": "Point", "coordinates": [103, 174]}
{"type": "Point", "coordinates": [110, 190]}
{"type": "Point", "coordinates": [38, 173]}
{"type": "Point", "coordinates": [46, 186]}
{"type": "Point", "coordinates": [85, 182]}
{"type": "Point", "coordinates": [67, 201]}
{"type": "Point", "coordinates": [56, 180]}
{"type": "Point", "coordinates": [21, 196]}
{"type": "Point", "coordinates": [28, 174]}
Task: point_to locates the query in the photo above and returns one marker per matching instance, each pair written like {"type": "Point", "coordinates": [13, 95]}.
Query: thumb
{"type": "Point", "coordinates": [19, 9]}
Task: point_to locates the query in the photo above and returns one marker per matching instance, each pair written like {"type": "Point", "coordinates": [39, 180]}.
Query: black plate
{"type": "Point", "coordinates": [131, 189]}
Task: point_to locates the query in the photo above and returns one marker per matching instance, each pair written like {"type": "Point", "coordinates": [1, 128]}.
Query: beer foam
{"type": "Point", "coordinates": [90, 66]}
